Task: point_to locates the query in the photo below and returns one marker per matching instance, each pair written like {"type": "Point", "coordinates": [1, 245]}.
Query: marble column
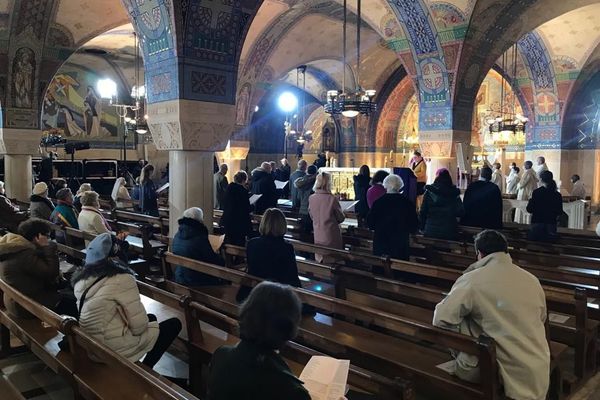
{"type": "Point", "coordinates": [191, 185]}
{"type": "Point", "coordinates": [18, 176]}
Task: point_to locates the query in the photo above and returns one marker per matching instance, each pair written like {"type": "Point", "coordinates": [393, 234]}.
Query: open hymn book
{"type": "Point", "coordinates": [325, 378]}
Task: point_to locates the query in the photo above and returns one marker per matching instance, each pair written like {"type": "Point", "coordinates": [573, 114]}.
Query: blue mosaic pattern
{"type": "Point", "coordinates": [433, 83]}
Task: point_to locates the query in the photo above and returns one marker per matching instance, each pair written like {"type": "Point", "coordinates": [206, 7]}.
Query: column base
{"type": "Point", "coordinates": [18, 176]}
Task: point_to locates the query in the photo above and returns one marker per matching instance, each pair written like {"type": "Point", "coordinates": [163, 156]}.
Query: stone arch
{"type": "Point", "coordinates": [493, 28]}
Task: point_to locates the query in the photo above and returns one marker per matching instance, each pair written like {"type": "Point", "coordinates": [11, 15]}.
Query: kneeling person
{"type": "Point", "coordinates": [496, 298]}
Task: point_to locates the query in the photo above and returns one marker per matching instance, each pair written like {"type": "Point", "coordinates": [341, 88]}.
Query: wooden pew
{"type": "Point", "coordinates": [116, 378]}
{"type": "Point", "coordinates": [196, 338]}
{"type": "Point", "coordinates": [380, 351]}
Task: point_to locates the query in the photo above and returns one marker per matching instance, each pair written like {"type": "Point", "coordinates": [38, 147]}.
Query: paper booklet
{"type": "Point", "coordinates": [280, 184]}
{"type": "Point", "coordinates": [325, 378]}
{"type": "Point", "coordinates": [350, 207]}
{"type": "Point", "coordinates": [216, 241]}
{"type": "Point", "coordinates": [254, 198]}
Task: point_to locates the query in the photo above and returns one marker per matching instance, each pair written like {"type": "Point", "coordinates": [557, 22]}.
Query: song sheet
{"type": "Point", "coordinates": [325, 377]}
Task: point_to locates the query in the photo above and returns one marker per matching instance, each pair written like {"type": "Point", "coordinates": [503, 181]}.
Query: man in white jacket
{"type": "Point", "coordinates": [540, 167]}
{"type": "Point", "coordinates": [496, 298]}
{"type": "Point", "coordinates": [497, 177]}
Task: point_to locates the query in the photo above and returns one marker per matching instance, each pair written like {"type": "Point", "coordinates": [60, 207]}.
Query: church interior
{"type": "Point", "coordinates": [249, 120]}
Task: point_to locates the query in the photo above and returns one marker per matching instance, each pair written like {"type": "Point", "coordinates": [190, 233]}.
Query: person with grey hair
{"type": "Point", "coordinates": [496, 298]}
{"type": "Point", "coordinates": [191, 241]}
{"type": "Point", "coordinates": [393, 217]}
{"type": "Point", "coordinates": [253, 368]}
{"type": "Point", "coordinates": [299, 173]}
{"type": "Point", "coordinates": [10, 215]}
{"type": "Point", "coordinates": [263, 183]}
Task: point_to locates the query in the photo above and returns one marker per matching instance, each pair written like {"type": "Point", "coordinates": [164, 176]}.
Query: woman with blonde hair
{"type": "Point", "coordinates": [269, 256]}
{"type": "Point", "coordinates": [326, 213]}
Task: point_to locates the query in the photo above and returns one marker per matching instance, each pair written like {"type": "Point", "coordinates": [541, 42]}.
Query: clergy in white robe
{"type": "Point", "coordinates": [497, 298]}
{"type": "Point", "coordinates": [497, 177]}
{"type": "Point", "coordinates": [528, 183]}
{"type": "Point", "coordinates": [539, 168]}
{"type": "Point", "coordinates": [578, 187]}
{"type": "Point", "coordinates": [512, 181]}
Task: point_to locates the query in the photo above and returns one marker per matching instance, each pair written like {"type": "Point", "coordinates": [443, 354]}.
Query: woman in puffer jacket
{"type": "Point", "coordinates": [111, 310]}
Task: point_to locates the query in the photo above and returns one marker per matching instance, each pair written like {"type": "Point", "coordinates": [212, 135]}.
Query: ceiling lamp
{"type": "Point", "coordinates": [360, 101]}
{"type": "Point", "coordinates": [507, 127]}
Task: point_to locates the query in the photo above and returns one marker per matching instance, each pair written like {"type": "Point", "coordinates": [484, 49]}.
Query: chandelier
{"type": "Point", "coordinates": [300, 135]}
{"type": "Point", "coordinates": [360, 101]}
{"type": "Point", "coordinates": [506, 127]}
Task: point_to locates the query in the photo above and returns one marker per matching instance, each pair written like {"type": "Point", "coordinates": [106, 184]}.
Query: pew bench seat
{"type": "Point", "coordinates": [8, 390]}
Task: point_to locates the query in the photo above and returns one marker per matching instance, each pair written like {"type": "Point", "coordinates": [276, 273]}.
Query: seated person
{"type": "Point", "coordinates": [191, 241]}
{"type": "Point", "coordinates": [496, 298]}
{"type": "Point", "coordinates": [40, 205]}
{"type": "Point", "coordinates": [29, 263]}
{"type": "Point", "coordinates": [111, 310]}
{"type": "Point", "coordinates": [253, 369]}
{"type": "Point", "coordinates": [65, 213]}
{"type": "Point", "coordinates": [269, 256]}
{"type": "Point", "coordinates": [90, 218]}
{"type": "Point", "coordinates": [84, 187]}
{"type": "Point", "coordinates": [10, 215]}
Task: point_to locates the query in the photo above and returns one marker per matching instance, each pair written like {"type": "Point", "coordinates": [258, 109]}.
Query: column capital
{"type": "Point", "coordinates": [441, 144]}
{"type": "Point", "coordinates": [19, 141]}
{"type": "Point", "coordinates": [190, 124]}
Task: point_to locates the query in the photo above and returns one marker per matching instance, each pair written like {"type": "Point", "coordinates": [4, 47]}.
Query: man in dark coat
{"type": "Point", "coordinates": [10, 216]}
{"type": "Point", "coordinates": [483, 203]}
{"type": "Point", "coordinates": [236, 212]}
{"type": "Point", "coordinates": [264, 183]}
{"type": "Point", "coordinates": [299, 173]}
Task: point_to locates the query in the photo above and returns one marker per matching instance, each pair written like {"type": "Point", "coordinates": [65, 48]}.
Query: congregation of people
{"type": "Point", "coordinates": [105, 298]}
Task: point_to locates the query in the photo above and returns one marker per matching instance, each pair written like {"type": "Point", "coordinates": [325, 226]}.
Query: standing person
{"type": "Point", "coordinates": [191, 241]}
{"type": "Point", "coordinates": [512, 180]}
{"type": "Point", "coordinates": [253, 368]}
{"type": "Point", "coordinates": [148, 195]}
{"type": "Point", "coordinates": [264, 183]}
{"type": "Point", "coordinates": [361, 186]}
{"type": "Point", "coordinates": [393, 218]}
{"type": "Point", "coordinates": [545, 207]}
{"type": "Point", "coordinates": [496, 298]}
{"type": "Point", "coordinates": [111, 308]}
{"type": "Point", "coordinates": [299, 173]}
{"type": "Point", "coordinates": [10, 215]}
{"type": "Point", "coordinates": [497, 177]}
{"type": "Point", "coordinates": [29, 263]}
{"type": "Point", "coordinates": [40, 205]}
{"type": "Point", "coordinates": [376, 190]}
{"type": "Point", "coordinates": [419, 168]}
{"type": "Point", "coordinates": [46, 170]}
{"type": "Point", "coordinates": [539, 168]}
{"type": "Point", "coordinates": [236, 213]}
{"type": "Point", "coordinates": [528, 182]}
{"type": "Point", "coordinates": [441, 207]}
{"type": "Point", "coordinates": [321, 161]}
{"type": "Point", "coordinates": [326, 213]}
{"type": "Point", "coordinates": [304, 188]}
{"type": "Point", "coordinates": [483, 203]}
{"type": "Point", "coordinates": [579, 189]}
{"type": "Point", "coordinates": [284, 171]}
{"type": "Point", "coordinates": [120, 194]}
{"type": "Point", "coordinates": [269, 256]}
{"type": "Point", "coordinates": [84, 187]}
{"type": "Point", "coordinates": [220, 185]}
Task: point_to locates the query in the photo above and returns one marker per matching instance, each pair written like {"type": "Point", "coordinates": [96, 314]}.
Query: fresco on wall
{"type": "Point", "coordinates": [72, 108]}
{"type": "Point", "coordinates": [23, 73]}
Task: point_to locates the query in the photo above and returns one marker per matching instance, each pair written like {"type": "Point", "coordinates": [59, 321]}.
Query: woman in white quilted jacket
{"type": "Point", "coordinates": [111, 310]}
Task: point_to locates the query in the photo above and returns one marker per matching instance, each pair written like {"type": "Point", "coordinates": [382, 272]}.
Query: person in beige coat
{"type": "Point", "coordinates": [111, 310]}
{"type": "Point", "coordinates": [326, 213]}
{"type": "Point", "coordinates": [496, 298]}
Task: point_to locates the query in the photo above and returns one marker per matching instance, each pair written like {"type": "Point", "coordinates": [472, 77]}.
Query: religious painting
{"type": "Point", "coordinates": [23, 77]}
{"type": "Point", "coordinates": [73, 108]}
{"type": "Point", "coordinates": [243, 101]}
{"type": "Point", "coordinates": [329, 136]}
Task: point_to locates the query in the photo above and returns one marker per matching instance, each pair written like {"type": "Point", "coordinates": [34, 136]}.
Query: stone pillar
{"type": "Point", "coordinates": [18, 176]}
{"type": "Point", "coordinates": [191, 185]}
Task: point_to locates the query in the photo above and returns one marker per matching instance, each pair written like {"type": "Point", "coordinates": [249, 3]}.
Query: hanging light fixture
{"type": "Point", "coordinates": [507, 128]}
{"type": "Point", "coordinates": [360, 101]}
{"type": "Point", "coordinates": [299, 133]}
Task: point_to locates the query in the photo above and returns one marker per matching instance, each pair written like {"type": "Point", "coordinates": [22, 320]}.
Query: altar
{"type": "Point", "coordinates": [574, 209]}
{"type": "Point", "coordinates": [342, 184]}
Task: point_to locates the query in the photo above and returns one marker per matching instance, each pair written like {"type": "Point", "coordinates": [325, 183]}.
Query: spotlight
{"type": "Point", "coordinates": [256, 108]}
{"type": "Point", "coordinates": [287, 102]}
{"type": "Point", "coordinates": [107, 88]}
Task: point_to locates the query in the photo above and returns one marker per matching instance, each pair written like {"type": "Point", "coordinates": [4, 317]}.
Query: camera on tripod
{"type": "Point", "coordinates": [52, 140]}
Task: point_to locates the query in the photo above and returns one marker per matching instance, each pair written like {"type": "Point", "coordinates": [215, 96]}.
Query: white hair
{"type": "Point", "coordinates": [194, 213]}
{"type": "Point", "coordinates": [393, 183]}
